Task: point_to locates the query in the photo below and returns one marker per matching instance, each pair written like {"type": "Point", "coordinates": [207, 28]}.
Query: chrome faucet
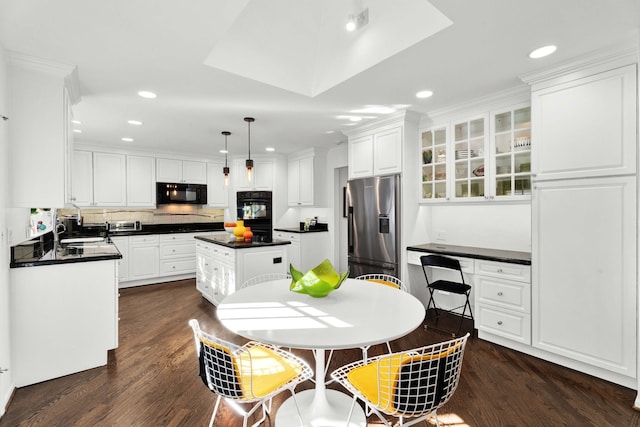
{"type": "Point", "coordinates": [79, 214]}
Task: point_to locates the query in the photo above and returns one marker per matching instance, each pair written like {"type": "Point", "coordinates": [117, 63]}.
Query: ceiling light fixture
{"type": "Point", "coordinates": [249, 162]}
{"type": "Point", "coordinates": [541, 52]}
{"type": "Point", "coordinates": [135, 122]}
{"type": "Point", "coordinates": [270, 149]}
{"type": "Point", "coordinates": [77, 122]}
{"type": "Point", "coordinates": [225, 169]}
{"type": "Point", "coordinates": [127, 139]}
{"type": "Point", "coordinates": [356, 21]}
{"type": "Point", "coordinates": [355, 118]}
{"type": "Point", "coordinates": [77, 131]}
{"type": "Point", "coordinates": [147, 94]}
{"type": "Point", "coordinates": [424, 94]}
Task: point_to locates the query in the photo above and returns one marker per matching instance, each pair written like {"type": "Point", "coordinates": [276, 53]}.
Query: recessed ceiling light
{"type": "Point", "coordinates": [224, 151]}
{"type": "Point", "coordinates": [77, 122]}
{"type": "Point", "coordinates": [126, 139]}
{"type": "Point", "coordinates": [147, 94]}
{"type": "Point", "coordinates": [424, 94]}
{"type": "Point", "coordinates": [375, 109]}
{"type": "Point", "coordinates": [134, 122]}
{"type": "Point", "coordinates": [269, 149]}
{"type": "Point", "coordinates": [77, 131]}
{"type": "Point", "coordinates": [330, 132]}
{"type": "Point", "coordinates": [355, 118]}
{"type": "Point", "coordinates": [541, 52]}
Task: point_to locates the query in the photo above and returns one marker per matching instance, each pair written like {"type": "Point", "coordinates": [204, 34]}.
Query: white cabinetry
{"type": "Point", "coordinates": [39, 99]}
{"type": "Point", "coordinates": [307, 250]}
{"type": "Point", "coordinates": [261, 176]}
{"type": "Point", "coordinates": [122, 243]}
{"type": "Point", "coordinates": [144, 260]}
{"type": "Point", "coordinates": [177, 254]}
{"type": "Point", "coordinates": [300, 181]}
{"type": "Point", "coordinates": [217, 192]}
{"type": "Point", "coordinates": [221, 270]}
{"type": "Point", "coordinates": [376, 149]}
{"type": "Point", "coordinates": [99, 179]}
{"type": "Point", "coordinates": [503, 300]}
{"type": "Point", "coordinates": [171, 170]}
{"type": "Point", "coordinates": [584, 221]}
{"type": "Point", "coordinates": [141, 181]}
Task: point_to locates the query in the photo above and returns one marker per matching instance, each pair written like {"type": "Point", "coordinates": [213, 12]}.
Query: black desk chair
{"type": "Point", "coordinates": [459, 288]}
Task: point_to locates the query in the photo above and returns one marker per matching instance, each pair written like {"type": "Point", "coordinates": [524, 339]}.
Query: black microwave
{"type": "Point", "coordinates": [193, 194]}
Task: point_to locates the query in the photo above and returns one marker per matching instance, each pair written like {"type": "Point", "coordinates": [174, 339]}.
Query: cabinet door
{"type": "Point", "coordinates": [144, 261]}
{"type": "Point", "coordinates": [263, 175]}
{"type": "Point", "coordinates": [305, 181]}
{"type": "Point", "coordinates": [82, 185]}
{"type": "Point", "coordinates": [360, 153]}
{"type": "Point", "coordinates": [468, 160]}
{"type": "Point", "coordinates": [109, 179]}
{"type": "Point", "coordinates": [122, 243]}
{"type": "Point", "coordinates": [584, 271]}
{"type": "Point", "coordinates": [433, 164]}
{"type": "Point", "coordinates": [387, 152]}
{"type": "Point", "coordinates": [217, 192]}
{"type": "Point", "coordinates": [586, 127]}
{"type": "Point", "coordinates": [194, 172]}
{"type": "Point", "coordinates": [169, 170]}
{"type": "Point", "coordinates": [293, 183]}
{"type": "Point", "coordinates": [141, 181]}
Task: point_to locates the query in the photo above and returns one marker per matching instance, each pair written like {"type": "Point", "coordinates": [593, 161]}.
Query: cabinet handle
{"type": "Point", "coordinates": [499, 270]}
{"type": "Point", "coordinates": [173, 250]}
{"type": "Point", "coordinates": [500, 322]}
{"type": "Point", "coordinates": [499, 294]}
{"type": "Point", "coordinates": [174, 267]}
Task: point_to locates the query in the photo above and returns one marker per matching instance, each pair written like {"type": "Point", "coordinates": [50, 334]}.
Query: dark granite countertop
{"type": "Point", "coordinates": [319, 227]}
{"type": "Point", "coordinates": [225, 240]}
{"type": "Point", "coordinates": [194, 227]}
{"type": "Point", "coordinates": [513, 257]}
{"type": "Point", "coordinates": [44, 251]}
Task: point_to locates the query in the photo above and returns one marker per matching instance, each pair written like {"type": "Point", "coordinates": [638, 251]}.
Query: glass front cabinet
{"type": "Point", "coordinates": [487, 157]}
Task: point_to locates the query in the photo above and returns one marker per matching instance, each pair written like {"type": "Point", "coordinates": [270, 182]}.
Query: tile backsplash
{"type": "Point", "coordinates": [168, 214]}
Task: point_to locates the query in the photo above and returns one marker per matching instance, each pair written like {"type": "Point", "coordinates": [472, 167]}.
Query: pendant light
{"type": "Point", "coordinates": [249, 162]}
{"type": "Point", "coordinates": [225, 169]}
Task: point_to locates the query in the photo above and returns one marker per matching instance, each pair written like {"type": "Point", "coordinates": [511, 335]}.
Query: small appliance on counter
{"type": "Point", "coordinates": [122, 226]}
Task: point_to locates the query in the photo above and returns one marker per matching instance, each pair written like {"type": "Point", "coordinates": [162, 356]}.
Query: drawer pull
{"type": "Point", "coordinates": [500, 322]}
{"type": "Point", "coordinates": [499, 270]}
{"type": "Point", "coordinates": [499, 294]}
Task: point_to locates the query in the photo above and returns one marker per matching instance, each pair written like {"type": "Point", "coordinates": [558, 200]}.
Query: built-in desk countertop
{"type": "Point", "coordinates": [499, 255]}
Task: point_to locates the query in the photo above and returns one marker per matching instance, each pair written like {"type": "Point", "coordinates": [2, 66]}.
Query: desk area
{"type": "Point", "coordinates": [355, 315]}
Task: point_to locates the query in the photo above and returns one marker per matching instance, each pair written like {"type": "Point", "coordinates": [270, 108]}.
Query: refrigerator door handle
{"type": "Point", "coordinates": [350, 230]}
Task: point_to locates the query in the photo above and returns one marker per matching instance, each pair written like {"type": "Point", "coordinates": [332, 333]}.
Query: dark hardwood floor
{"type": "Point", "coordinates": [152, 379]}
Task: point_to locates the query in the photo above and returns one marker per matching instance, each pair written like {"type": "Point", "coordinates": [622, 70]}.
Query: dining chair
{"type": "Point", "coordinates": [388, 280]}
{"type": "Point", "coordinates": [409, 386]}
{"type": "Point", "coordinates": [253, 373]}
{"type": "Point", "coordinates": [264, 278]}
{"type": "Point", "coordinates": [458, 287]}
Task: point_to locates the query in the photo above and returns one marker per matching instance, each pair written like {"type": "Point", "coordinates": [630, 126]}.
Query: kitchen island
{"type": "Point", "coordinates": [223, 265]}
{"type": "Point", "coordinates": [64, 307]}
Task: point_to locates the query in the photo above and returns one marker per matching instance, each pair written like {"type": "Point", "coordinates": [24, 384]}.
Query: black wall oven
{"type": "Point", "coordinates": [255, 209]}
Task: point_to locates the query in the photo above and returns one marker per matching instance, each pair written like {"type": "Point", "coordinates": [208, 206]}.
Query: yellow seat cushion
{"type": "Point", "coordinates": [385, 282]}
{"type": "Point", "coordinates": [377, 381]}
{"type": "Point", "coordinates": [263, 371]}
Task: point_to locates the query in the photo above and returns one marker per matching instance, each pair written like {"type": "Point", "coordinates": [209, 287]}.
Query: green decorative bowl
{"type": "Point", "coordinates": [318, 282]}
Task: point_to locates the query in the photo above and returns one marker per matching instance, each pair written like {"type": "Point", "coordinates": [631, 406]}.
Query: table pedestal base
{"type": "Point", "coordinates": [331, 413]}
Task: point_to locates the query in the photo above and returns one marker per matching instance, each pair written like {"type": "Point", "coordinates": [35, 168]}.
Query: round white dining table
{"type": "Point", "coordinates": [358, 314]}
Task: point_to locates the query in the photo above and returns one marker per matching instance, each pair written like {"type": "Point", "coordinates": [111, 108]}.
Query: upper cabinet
{"type": "Point", "coordinates": [261, 175]}
{"type": "Point", "coordinates": [217, 192]}
{"type": "Point", "coordinates": [377, 148]}
{"type": "Point", "coordinates": [300, 180]}
{"type": "Point", "coordinates": [39, 98]}
{"type": "Point", "coordinates": [99, 179]}
{"type": "Point", "coordinates": [141, 181]}
{"type": "Point", "coordinates": [190, 172]}
{"type": "Point", "coordinates": [481, 158]}
{"type": "Point", "coordinates": [569, 148]}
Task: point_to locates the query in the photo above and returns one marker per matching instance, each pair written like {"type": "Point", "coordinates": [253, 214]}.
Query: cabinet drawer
{"type": "Point", "coordinates": [177, 237]}
{"type": "Point", "coordinates": [172, 250]}
{"type": "Point", "coordinates": [466, 264]}
{"type": "Point", "coordinates": [180, 266]}
{"type": "Point", "coordinates": [503, 270]}
{"type": "Point", "coordinates": [511, 325]}
{"type": "Point", "coordinates": [144, 240]}
{"type": "Point", "coordinates": [283, 235]}
{"type": "Point", "coordinates": [222, 254]}
{"type": "Point", "coordinates": [507, 294]}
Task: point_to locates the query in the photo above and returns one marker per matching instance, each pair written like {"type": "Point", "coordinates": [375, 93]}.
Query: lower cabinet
{"type": "Point", "coordinates": [221, 270]}
{"type": "Point", "coordinates": [306, 250]}
{"type": "Point", "coordinates": [122, 243]}
{"type": "Point", "coordinates": [143, 257]}
{"type": "Point", "coordinates": [177, 254]}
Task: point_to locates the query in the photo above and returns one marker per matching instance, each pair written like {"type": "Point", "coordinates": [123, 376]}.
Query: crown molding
{"type": "Point", "coordinates": [392, 119]}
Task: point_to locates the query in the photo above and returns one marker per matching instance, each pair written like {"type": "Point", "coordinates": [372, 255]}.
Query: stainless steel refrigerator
{"type": "Point", "coordinates": [373, 225]}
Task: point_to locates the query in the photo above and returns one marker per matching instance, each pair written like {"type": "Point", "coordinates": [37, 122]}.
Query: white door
{"type": "Point", "coordinates": [360, 157]}
{"type": "Point", "coordinates": [144, 262]}
{"type": "Point", "coordinates": [194, 172]}
{"type": "Point", "coordinates": [82, 178]}
{"type": "Point", "coordinates": [584, 271]}
{"type": "Point", "coordinates": [217, 193]}
{"type": "Point", "coordinates": [141, 181]}
{"type": "Point", "coordinates": [109, 179]}
{"type": "Point", "coordinates": [387, 152]}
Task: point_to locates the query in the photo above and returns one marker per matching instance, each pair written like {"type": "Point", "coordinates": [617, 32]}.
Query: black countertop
{"type": "Point", "coordinates": [194, 227]}
{"type": "Point", "coordinates": [225, 240]}
{"type": "Point", "coordinates": [44, 251]}
{"type": "Point", "coordinates": [319, 227]}
{"type": "Point", "coordinates": [513, 257]}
